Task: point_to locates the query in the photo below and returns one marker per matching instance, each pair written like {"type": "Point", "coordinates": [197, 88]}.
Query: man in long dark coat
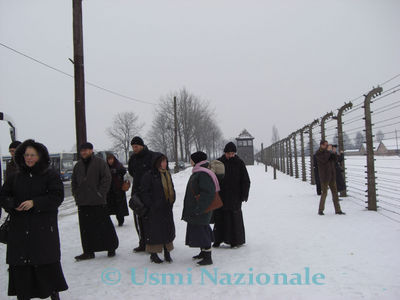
{"type": "Point", "coordinates": [90, 183]}
{"type": "Point", "coordinates": [11, 166]}
{"type": "Point", "coordinates": [327, 174]}
{"type": "Point", "coordinates": [139, 164]}
{"type": "Point", "coordinates": [229, 226]}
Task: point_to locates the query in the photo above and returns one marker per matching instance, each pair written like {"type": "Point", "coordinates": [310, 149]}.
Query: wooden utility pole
{"type": "Point", "coordinates": [176, 137]}
{"type": "Point", "coordinates": [80, 114]}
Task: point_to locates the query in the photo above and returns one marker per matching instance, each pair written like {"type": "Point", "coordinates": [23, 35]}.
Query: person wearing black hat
{"type": "Point", "coordinates": [11, 166]}
{"type": "Point", "coordinates": [200, 192]}
{"type": "Point", "coordinates": [228, 220]}
{"type": "Point", "coordinates": [91, 179]}
{"type": "Point", "coordinates": [139, 164]}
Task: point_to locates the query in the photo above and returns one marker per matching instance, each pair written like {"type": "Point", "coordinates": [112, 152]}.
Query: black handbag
{"type": "Point", "coordinates": [136, 204]}
{"type": "Point", "coordinates": [4, 228]}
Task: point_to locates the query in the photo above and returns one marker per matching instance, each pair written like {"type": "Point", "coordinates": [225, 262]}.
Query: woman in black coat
{"type": "Point", "coordinates": [340, 183]}
{"type": "Point", "coordinates": [116, 197]}
{"type": "Point", "coordinates": [32, 197]}
{"type": "Point", "coordinates": [158, 195]}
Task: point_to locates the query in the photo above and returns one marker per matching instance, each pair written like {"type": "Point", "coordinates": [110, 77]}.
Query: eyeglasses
{"type": "Point", "coordinates": [30, 155]}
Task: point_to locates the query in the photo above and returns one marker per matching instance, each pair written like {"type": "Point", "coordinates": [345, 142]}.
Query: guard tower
{"type": "Point", "coordinates": [245, 148]}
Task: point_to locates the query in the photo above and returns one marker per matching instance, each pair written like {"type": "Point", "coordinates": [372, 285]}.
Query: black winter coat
{"type": "Point", "coordinates": [236, 183]}
{"type": "Point", "coordinates": [158, 223]}
{"type": "Point", "coordinates": [340, 183]}
{"type": "Point", "coordinates": [138, 165]}
{"type": "Point", "coordinates": [33, 235]}
{"type": "Point", "coordinates": [116, 197]}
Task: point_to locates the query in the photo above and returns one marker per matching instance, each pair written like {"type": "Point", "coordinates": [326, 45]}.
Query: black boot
{"type": "Point", "coordinates": [167, 255]}
{"type": "Point", "coordinates": [85, 256]}
{"type": "Point", "coordinates": [55, 296]}
{"type": "Point", "coordinates": [140, 248]}
{"type": "Point", "coordinates": [155, 259]}
{"type": "Point", "coordinates": [207, 260]}
{"type": "Point", "coordinates": [216, 245]}
{"type": "Point", "coordinates": [340, 213]}
{"type": "Point", "coordinates": [200, 255]}
{"type": "Point", "coordinates": [321, 213]}
{"type": "Point", "coordinates": [111, 253]}
{"type": "Point", "coordinates": [120, 221]}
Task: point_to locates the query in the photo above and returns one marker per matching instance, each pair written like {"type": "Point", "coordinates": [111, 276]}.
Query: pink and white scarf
{"type": "Point", "coordinates": [198, 168]}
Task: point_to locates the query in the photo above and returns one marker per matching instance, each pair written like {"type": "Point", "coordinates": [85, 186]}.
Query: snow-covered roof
{"type": "Point", "coordinates": [244, 135]}
{"type": "Point", "coordinates": [391, 144]}
{"type": "Point", "coordinates": [375, 144]}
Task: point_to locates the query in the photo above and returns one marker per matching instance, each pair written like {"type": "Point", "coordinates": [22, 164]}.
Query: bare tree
{"type": "Point", "coordinates": [275, 134]}
{"type": "Point", "coordinates": [197, 128]}
{"type": "Point", "coordinates": [125, 126]}
{"type": "Point", "coordinates": [359, 140]}
{"type": "Point", "coordinates": [380, 136]}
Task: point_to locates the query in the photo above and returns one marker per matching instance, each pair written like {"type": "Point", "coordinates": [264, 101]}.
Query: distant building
{"type": "Point", "coordinates": [245, 147]}
{"type": "Point", "coordinates": [363, 148]}
{"type": "Point", "coordinates": [388, 147]}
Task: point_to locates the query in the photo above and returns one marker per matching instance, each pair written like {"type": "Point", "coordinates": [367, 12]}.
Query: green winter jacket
{"type": "Point", "coordinates": [193, 209]}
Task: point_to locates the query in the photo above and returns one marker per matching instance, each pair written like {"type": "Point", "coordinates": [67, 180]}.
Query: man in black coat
{"type": "Point", "coordinates": [229, 226]}
{"type": "Point", "coordinates": [139, 164]}
{"type": "Point", "coordinates": [90, 183]}
{"type": "Point", "coordinates": [11, 166]}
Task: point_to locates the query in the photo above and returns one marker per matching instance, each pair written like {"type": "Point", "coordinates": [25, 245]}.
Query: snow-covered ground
{"type": "Point", "coordinates": [358, 254]}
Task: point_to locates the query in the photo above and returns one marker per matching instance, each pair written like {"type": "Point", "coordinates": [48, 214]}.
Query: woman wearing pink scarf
{"type": "Point", "coordinates": [200, 193]}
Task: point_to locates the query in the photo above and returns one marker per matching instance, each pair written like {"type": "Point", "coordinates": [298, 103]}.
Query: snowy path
{"type": "Point", "coordinates": [358, 253]}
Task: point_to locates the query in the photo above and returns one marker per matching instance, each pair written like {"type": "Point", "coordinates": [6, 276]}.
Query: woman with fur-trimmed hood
{"type": "Point", "coordinates": [158, 195]}
{"type": "Point", "coordinates": [32, 197]}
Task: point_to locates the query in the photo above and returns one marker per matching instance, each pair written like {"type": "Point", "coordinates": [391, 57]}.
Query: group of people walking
{"type": "Point", "coordinates": [33, 191]}
{"type": "Point", "coordinates": [328, 174]}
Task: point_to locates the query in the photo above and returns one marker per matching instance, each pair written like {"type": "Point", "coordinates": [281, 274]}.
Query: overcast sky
{"type": "Point", "coordinates": [258, 63]}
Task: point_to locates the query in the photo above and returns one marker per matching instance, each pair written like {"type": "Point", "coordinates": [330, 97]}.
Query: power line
{"type": "Point", "coordinates": [394, 77]}
{"type": "Point", "coordinates": [71, 76]}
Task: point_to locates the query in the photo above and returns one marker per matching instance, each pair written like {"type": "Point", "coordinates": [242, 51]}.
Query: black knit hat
{"type": "Point", "coordinates": [230, 147]}
{"type": "Point", "coordinates": [137, 141]}
{"type": "Point", "coordinates": [14, 145]}
{"type": "Point", "coordinates": [86, 146]}
{"type": "Point", "coordinates": [198, 157]}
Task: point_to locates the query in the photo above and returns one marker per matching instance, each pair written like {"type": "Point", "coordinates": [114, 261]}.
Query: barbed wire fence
{"type": "Point", "coordinates": [367, 130]}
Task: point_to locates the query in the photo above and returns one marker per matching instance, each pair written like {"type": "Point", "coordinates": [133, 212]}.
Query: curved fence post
{"type": "Point", "coordinates": [372, 202]}
{"type": "Point", "coordinates": [345, 107]}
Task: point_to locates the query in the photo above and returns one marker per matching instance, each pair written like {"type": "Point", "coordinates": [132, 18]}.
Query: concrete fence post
{"type": "Point", "coordinates": [372, 201]}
